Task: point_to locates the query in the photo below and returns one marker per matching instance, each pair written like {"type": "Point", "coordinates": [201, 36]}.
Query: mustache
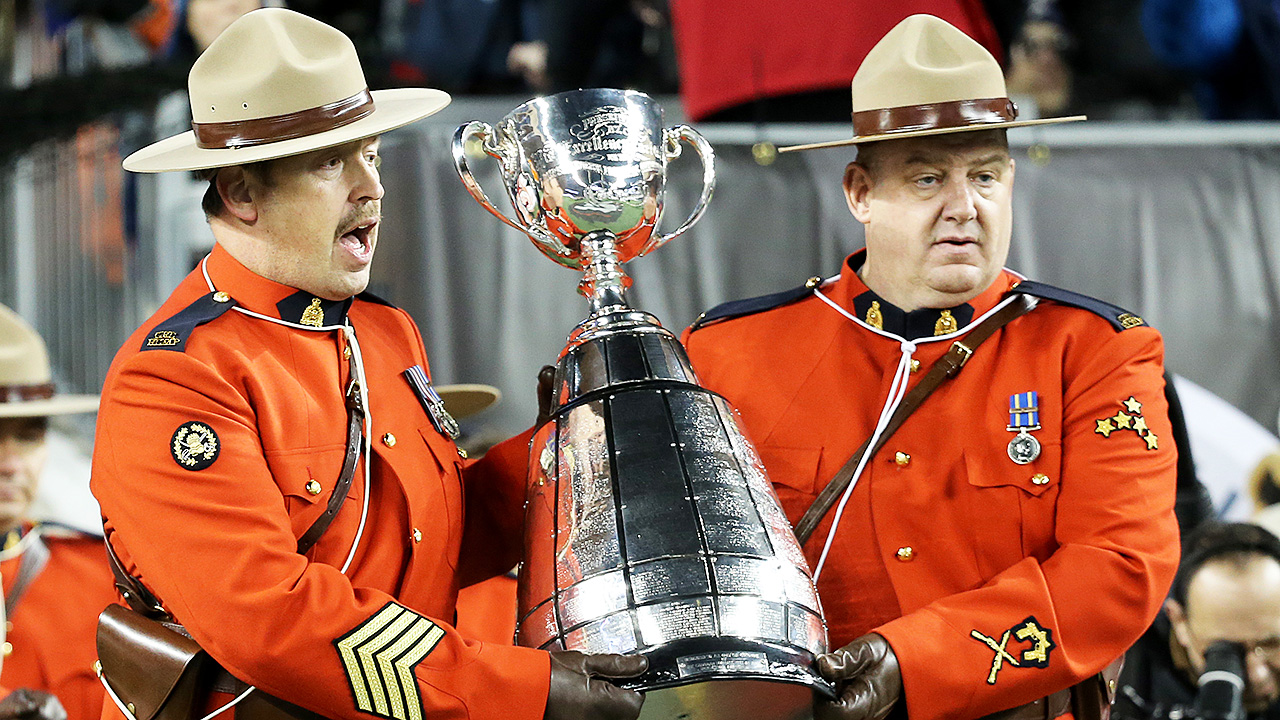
{"type": "Point", "coordinates": [371, 211]}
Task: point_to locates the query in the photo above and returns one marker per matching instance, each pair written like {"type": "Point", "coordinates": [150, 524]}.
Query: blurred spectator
{"type": "Point", "coordinates": [1231, 48]}
{"type": "Point", "coordinates": [1227, 588]}
{"type": "Point", "coordinates": [56, 579]}
{"type": "Point", "coordinates": [607, 43]}
{"type": "Point", "coordinates": [754, 62]}
{"type": "Point", "coordinates": [198, 22]}
{"type": "Point", "coordinates": [1088, 57]}
{"type": "Point", "coordinates": [467, 46]}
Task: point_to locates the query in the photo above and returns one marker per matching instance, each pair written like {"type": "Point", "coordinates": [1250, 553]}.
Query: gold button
{"type": "Point", "coordinates": [417, 535]}
{"type": "Point", "coordinates": [346, 353]}
{"type": "Point", "coordinates": [462, 453]}
{"type": "Point", "coordinates": [132, 709]}
{"type": "Point", "coordinates": [1040, 479]}
{"type": "Point", "coordinates": [906, 554]}
{"type": "Point", "coordinates": [313, 487]}
{"type": "Point", "coordinates": [97, 668]}
{"type": "Point", "coordinates": [7, 649]}
{"type": "Point", "coordinates": [902, 459]}
{"type": "Point", "coordinates": [221, 297]}
{"type": "Point", "coordinates": [915, 365]}
{"type": "Point", "coordinates": [813, 282]}
{"type": "Point", "coordinates": [389, 440]}
{"type": "Point", "coordinates": [1111, 685]}
{"type": "Point", "coordinates": [8, 626]}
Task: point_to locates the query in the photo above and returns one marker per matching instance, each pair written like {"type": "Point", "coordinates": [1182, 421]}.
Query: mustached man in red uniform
{"type": "Point", "coordinates": [227, 422]}
{"type": "Point", "coordinates": [1016, 534]}
{"type": "Point", "coordinates": [56, 578]}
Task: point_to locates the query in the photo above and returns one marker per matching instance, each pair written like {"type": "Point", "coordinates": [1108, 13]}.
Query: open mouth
{"type": "Point", "coordinates": [358, 239]}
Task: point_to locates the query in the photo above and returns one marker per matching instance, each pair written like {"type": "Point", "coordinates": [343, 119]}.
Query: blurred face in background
{"type": "Point", "coordinates": [1235, 598]}
{"type": "Point", "coordinates": [22, 456]}
{"type": "Point", "coordinates": [206, 19]}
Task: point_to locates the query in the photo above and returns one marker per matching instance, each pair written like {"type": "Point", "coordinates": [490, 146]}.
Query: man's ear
{"type": "Point", "coordinates": [1177, 621]}
{"type": "Point", "coordinates": [857, 187]}
{"type": "Point", "coordinates": [238, 191]}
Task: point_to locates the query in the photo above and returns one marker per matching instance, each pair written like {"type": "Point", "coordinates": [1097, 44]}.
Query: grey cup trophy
{"type": "Point", "coordinates": [650, 525]}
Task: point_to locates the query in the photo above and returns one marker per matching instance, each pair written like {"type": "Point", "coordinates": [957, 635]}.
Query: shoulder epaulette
{"type": "Point", "coordinates": [750, 306]}
{"type": "Point", "coordinates": [172, 334]}
{"type": "Point", "coordinates": [1119, 318]}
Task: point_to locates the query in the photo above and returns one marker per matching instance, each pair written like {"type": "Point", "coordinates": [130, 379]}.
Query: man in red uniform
{"type": "Point", "coordinates": [272, 461]}
{"type": "Point", "coordinates": [1017, 533]}
{"type": "Point", "coordinates": [56, 579]}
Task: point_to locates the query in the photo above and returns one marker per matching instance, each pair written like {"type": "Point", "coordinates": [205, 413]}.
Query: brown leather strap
{"type": "Point", "coordinates": [140, 599]}
{"type": "Point", "coordinates": [259, 131]}
{"type": "Point", "coordinates": [1046, 708]}
{"type": "Point", "coordinates": [355, 428]}
{"type": "Point", "coordinates": [20, 393]}
{"type": "Point", "coordinates": [958, 113]}
{"type": "Point", "coordinates": [947, 366]}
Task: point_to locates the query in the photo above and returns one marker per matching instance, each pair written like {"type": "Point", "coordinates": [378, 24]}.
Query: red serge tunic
{"type": "Point", "coordinates": [995, 582]}
{"type": "Point", "coordinates": [52, 630]}
{"type": "Point", "coordinates": [220, 438]}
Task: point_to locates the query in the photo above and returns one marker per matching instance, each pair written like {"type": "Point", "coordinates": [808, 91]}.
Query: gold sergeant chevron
{"type": "Point", "coordinates": [379, 656]}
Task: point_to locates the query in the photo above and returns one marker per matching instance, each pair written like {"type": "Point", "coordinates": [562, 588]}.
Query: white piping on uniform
{"type": "Point", "coordinates": [897, 390]}
{"type": "Point", "coordinates": [363, 389]}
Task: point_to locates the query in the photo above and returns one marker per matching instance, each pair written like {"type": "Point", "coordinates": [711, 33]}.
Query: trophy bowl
{"type": "Point", "coordinates": [650, 524]}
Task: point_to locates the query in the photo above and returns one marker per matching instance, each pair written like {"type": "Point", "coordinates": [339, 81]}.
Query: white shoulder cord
{"type": "Point", "coordinates": [897, 390]}
{"type": "Point", "coordinates": [363, 389]}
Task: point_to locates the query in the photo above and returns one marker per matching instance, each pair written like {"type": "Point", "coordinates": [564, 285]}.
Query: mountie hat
{"type": "Point", "coordinates": [26, 381]}
{"type": "Point", "coordinates": [926, 77]}
{"type": "Point", "coordinates": [277, 83]}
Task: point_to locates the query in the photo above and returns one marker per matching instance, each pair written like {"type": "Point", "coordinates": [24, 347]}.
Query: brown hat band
{"type": "Point", "coordinates": [958, 113]}
{"type": "Point", "coordinates": [259, 131]}
{"type": "Point", "coordinates": [20, 393]}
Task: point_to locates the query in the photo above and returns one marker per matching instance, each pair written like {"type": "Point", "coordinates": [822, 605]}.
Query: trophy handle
{"type": "Point", "coordinates": [481, 134]}
{"type": "Point", "coordinates": [673, 136]}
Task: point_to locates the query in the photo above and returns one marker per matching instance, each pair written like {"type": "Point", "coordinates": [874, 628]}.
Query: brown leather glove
{"type": "Point", "coordinates": [867, 679]}
{"type": "Point", "coordinates": [546, 386]}
{"type": "Point", "coordinates": [577, 693]}
{"type": "Point", "coordinates": [28, 704]}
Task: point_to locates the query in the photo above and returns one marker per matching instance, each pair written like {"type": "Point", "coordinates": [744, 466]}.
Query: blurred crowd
{"type": "Point", "coordinates": [69, 61]}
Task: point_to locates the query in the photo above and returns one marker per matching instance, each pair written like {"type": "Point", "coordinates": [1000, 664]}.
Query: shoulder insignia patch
{"type": "Point", "coordinates": [1119, 318]}
{"type": "Point", "coordinates": [1035, 655]}
{"type": "Point", "coordinates": [379, 656]}
{"type": "Point", "coordinates": [194, 446]}
{"type": "Point", "coordinates": [172, 334]}
{"type": "Point", "coordinates": [1132, 420]}
{"type": "Point", "coordinates": [750, 306]}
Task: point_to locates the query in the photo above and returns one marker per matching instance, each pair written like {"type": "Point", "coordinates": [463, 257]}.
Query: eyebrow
{"type": "Point", "coordinates": [938, 159]}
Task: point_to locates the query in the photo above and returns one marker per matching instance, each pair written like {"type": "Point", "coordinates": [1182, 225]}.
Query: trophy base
{"type": "Point", "coordinates": [727, 699]}
{"type": "Point", "coordinates": [728, 679]}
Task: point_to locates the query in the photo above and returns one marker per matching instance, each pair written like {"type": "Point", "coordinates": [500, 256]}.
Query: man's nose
{"type": "Point", "coordinates": [8, 457]}
{"type": "Point", "coordinates": [368, 184]}
{"type": "Point", "coordinates": [1262, 677]}
{"type": "Point", "coordinates": [958, 199]}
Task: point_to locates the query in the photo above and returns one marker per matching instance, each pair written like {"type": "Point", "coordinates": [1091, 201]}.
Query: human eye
{"type": "Point", "coordinates": [926, 181]}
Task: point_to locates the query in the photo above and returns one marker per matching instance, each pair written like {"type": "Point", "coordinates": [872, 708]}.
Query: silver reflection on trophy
{"type": "Point", "coordinates": [651, 526]}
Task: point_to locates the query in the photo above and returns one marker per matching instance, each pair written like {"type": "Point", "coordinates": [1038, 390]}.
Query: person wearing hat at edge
{"type": "Point", "coordinates": [1017, 533]}
{"type": "Point", "coordinates": [226, 425]}
{"type": "Point", "coordinates": [56, 579]}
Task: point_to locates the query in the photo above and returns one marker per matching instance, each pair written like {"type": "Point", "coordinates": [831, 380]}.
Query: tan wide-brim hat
{"type": "Point", "coordinates": [926, 77]}
{"type": "Point", "coordinates": [26, 380]}
{"type": "Point", "coordinates": [277, 83]}
{"type": "Point", "coordinates": [466, 399]}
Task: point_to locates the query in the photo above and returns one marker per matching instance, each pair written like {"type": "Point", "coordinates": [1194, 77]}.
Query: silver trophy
{"type": "Point", "coordinates": [650, 525]}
